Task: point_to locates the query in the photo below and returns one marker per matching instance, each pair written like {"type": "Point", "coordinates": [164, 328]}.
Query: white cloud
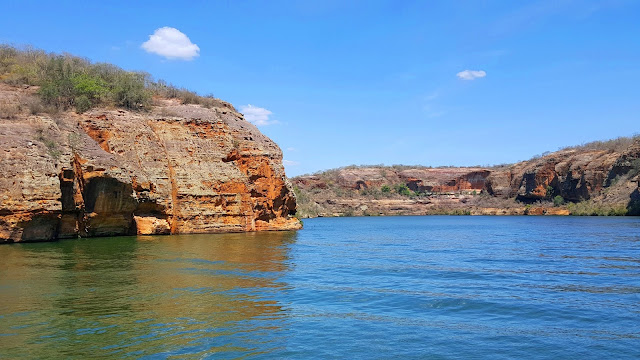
{"type": "Point", "coordinates": [291, 149]}
{"type": "Point", "coordinates": [256, 115]}
{"type": "Point", "coordinates": [290, 163]}
{"type": "Point", "coordinates": [172, 44]}
{"type": "Point", "coordinates": [471, 74]}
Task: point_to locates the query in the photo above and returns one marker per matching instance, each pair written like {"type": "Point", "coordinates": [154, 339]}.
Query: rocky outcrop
{"type": "Point", "coordinates": [417, 179]}
{"type": "Point", "coordinates": [605, 173]}
{"type": "Point", "coordinates": [573, 174]}
{"type": "Point", "coordinates": [441, 180]}
{"type": "Point", "coordinates": [374, 191]}
{"type": "Point", "coordinates": [177, 169]}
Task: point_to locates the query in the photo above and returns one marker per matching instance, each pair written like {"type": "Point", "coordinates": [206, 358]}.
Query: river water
{"type": "Point", "coordinates": [440, 287]}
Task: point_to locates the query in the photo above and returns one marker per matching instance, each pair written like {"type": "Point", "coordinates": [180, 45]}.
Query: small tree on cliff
{"type": "Point", "coordinates": [550, 192]}
{"type": "Point", "coordinates": [558, 200]}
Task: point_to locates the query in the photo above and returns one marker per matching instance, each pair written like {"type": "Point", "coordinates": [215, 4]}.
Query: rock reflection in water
{"type": "Point", "coordinates": [193, 294]}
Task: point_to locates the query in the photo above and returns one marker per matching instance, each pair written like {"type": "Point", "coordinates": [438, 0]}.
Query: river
{"type": "Point", "coordinates": [441, 287]}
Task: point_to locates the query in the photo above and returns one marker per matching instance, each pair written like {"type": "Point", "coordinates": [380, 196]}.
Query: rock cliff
{"type": "Point", "coordinates": [601, 178]}
{"type": "Point", "coordinates": [175, 169]}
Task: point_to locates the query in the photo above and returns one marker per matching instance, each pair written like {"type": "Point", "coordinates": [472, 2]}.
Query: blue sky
{"type": "Point", "coordinates": [336, 83]}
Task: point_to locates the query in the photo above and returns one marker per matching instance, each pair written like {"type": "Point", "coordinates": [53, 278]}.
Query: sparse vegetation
{"type": "Point", "coordinates": [590, 208]}
{"type": "Point", "coordinates": [403, 190]}
{"type": "Point", "coordinates": [635, 168]}
{"type": "Point", "coordinates": [52, 146]}
{"type": "Point", "coordinates": [67, 81]}
{"type": "Point", "coordinates": [35, 106]}
{"type": "Point", "coordinates": [558, 200]}
{"type": "Point", "coordinates": [549, 192]}
{"type": "Point", "coordinates": [618, 144]}
{"type": "Point", "coordinates": [8, 111]}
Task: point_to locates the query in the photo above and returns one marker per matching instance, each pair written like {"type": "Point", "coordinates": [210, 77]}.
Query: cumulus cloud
{"type": "Point", "coordinates": [256, 115]}
{"type": "Point", "coordinates": [171, 43]}
{"type": "Point", "coordinates": [471, 74]}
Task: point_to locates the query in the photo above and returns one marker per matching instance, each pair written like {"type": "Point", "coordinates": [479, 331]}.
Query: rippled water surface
{"type": "Point", "coordinates": [357, 288]}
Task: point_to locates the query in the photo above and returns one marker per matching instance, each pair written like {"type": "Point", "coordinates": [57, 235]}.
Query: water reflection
{"type": "Point", "coordinates": [127, 296]}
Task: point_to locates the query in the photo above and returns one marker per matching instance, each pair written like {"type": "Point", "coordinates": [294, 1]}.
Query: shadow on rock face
{"type": "Point", "coordinates": [41, 228]}
{"type": "Point", "coordinates": [109, 207]}
{"type": "Point", "coordinates": [634, 204]}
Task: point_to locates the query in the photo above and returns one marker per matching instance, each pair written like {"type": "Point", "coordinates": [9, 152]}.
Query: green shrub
{"type": "Point", "coordinates": [129, 91]}
{"type": "Point", "coordinates": [558, 200]}
{"type": "Point", "coordinates": [385, 189]}
{"type": "Point", "coordinates": [82, 104]}
{"type": "Point", "coordinates": [550, 192]}
{"type": "Point", "coordinates": [91, 87]}
{"type": "Point", "coordinates": [403, 190]}
{"type": "Point", "coordinates": [66, 81]}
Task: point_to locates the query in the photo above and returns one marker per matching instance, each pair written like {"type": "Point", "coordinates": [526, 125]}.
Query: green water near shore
{"type": "Point", "coordinates": [445, 287]}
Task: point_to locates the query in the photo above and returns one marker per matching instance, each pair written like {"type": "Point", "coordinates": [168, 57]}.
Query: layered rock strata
{"type": "Point", "coordinates": [608, 177]}
{"type": "Point", "coordinates": [177, 169]}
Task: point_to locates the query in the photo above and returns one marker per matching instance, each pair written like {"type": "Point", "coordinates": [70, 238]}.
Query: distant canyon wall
{"type": "Point", "coordinates": [589, 177]}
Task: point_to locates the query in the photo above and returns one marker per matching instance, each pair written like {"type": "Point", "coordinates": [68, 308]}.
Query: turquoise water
{"type": "Point", "coordinates": [357, 288]}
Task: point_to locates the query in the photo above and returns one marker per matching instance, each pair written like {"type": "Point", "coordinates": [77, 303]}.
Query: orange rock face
{"type": "Point", "coordinates": [418, 179]}
{"type": "Point", "coordinates": [111, 172]}
{"type": "Point", "coordinates": [608, 176]}
{"type": "Point", "coordinates": [574, 175]}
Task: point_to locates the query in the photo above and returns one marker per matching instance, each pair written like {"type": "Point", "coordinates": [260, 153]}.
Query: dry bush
{"type": "Point", "coordinates": [167, 112]}
{"type": "Point", "coordinates": [189, 97]}
{"type": "Point", "coordinates": [592, 208]}
{"type": "Point", "coordinates": [9, 111]}
{"type": "Point", "coordinates": [34, 105]}
{"type": "Point", "coordinates": [486, 200]}
{"type": "Point", "coordinates": [618, 144]}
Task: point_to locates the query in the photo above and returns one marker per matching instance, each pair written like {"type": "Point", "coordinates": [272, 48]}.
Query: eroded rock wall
{"type": "Point", "coordinates": [606, 176]}
{"type": "Point", "coordinates": [179, 169]}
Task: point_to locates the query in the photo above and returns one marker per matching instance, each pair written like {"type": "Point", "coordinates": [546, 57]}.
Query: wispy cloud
{"type": "Point", "coordinates": [291, 149]}
{"type": "Point", "coordinates": [429, 108]}
{"type": "Point", "coordinates": [290, 163]}
{"type": "Point", "coordinates": [257, 115]}
{"type": "Point", "coordinates": [471, 74]}
{"type": "Point", "coordinates": [171, 43]}
{"type": "Point", "coordinates": [435, 114]}
{"type": "Point", "coordinates": [432, 96]}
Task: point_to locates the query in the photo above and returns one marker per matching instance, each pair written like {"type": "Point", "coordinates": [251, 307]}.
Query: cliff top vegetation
{"type": "Point", "coordinates": [66, 81]}
{"type": "Point", "coordinates": [618, 144]}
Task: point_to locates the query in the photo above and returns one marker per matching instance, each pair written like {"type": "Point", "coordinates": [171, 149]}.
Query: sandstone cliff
{"type": "Point", "coordinates": [174, 169]}
{"type": "Point", "coordinates": [601, 178]}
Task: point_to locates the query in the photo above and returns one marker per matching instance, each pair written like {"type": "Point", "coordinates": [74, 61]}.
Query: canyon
{"type": "Point", "coordinates": [600, 178]}
{"type": "Point", "coordinates": [180, 168]}
{"type": "Point", "coordinates": [173, 169]}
